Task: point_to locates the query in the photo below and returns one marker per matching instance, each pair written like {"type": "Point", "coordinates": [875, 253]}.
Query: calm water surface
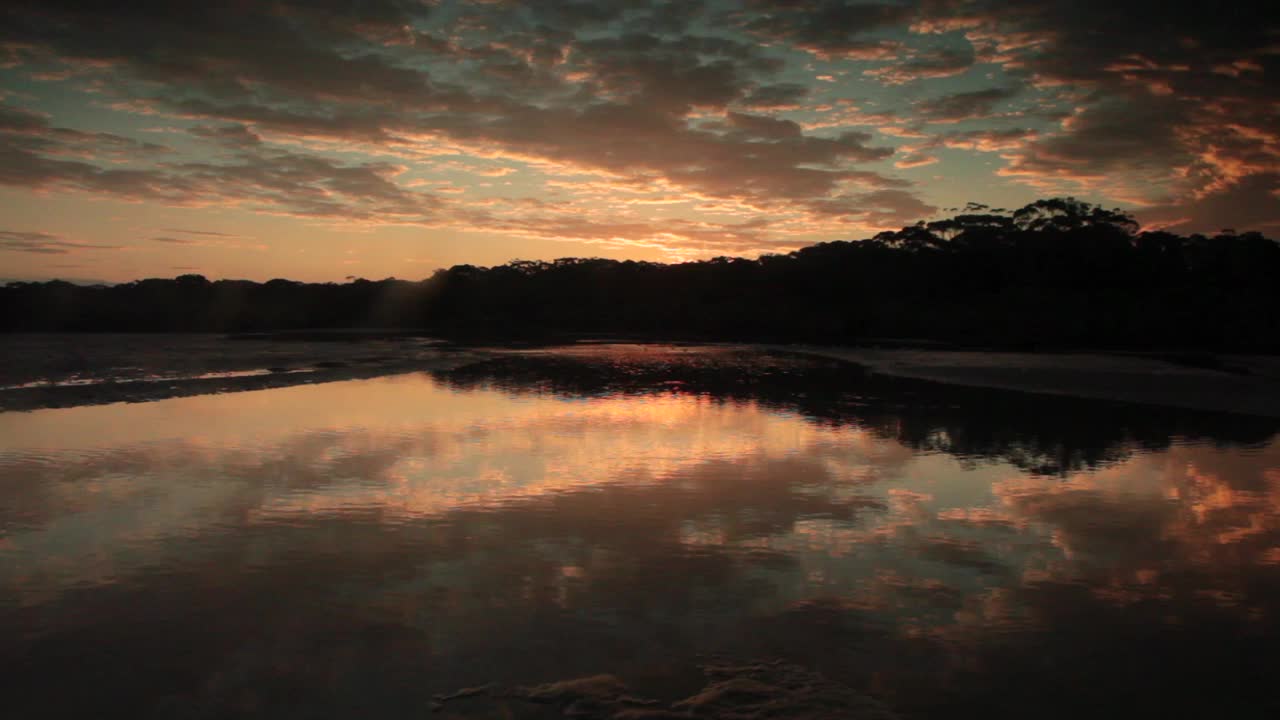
{"type": "Point", "coordinates": [349, 549]}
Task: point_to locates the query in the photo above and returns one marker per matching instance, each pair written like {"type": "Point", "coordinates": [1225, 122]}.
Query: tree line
{"type": "Point", "coordinates": [1056, 273]}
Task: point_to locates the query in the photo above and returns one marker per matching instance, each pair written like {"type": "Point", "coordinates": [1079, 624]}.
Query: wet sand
{"type": "Point", "coordinates": [1246, 384]}
{"type": "Point", "coordinates": [54, 396]}
{"type": "Point", "coordinates": [53, 371]}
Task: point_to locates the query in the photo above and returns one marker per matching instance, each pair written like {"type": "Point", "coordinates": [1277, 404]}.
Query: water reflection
{"type": "Point", "coordinates": [1038, 433]}
{"type": "Point", "coordinates": [355, 547]}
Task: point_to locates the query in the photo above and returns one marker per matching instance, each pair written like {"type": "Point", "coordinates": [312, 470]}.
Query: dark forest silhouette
{"type": "Point", "coordinates": [1056, 273]}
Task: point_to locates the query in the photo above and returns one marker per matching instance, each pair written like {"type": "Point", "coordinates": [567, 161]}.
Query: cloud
{"type": "Point", "coordinates": [42, 243]}
{"type": "Point", "coordinates": [987, 140]}
{"type": "Point", "coordinates": [20, 120]}
{"type": "Point", "coordinates": [234, 136]}
{"type": "Point", "coordinates": [306, 185]}
{"type": "Point", "coordinates": [776, 96]}
{"type": "Point", "coordinates": [1249, 203]}
{"type": "Point", "coordinates": [763, 127]}
{"type": "Point", "coordinates": [278, 46]}
{"type": "Point", "coordinates": [879, 209]}
{"type": "Point", "coordinates": [1003, 141]}
{"type": "Point", "coordinates": [925, 64]}
{"type": "Point", "coordinates": [23, 130]}
{"type": "Point", "coordinates": [694, 71]}
{"type": "Point", "coordinates": [212, 233]}
{"type": "Point", "coordinates": [1177, 115]}
{"type": "Point", "coordinates": [347, 112]}
{"type": "Point", "coordinates": [264, 179]}
{"type": "Point", "coordinates": [578, 14]}
{"type": "Point", "coordinates": [915, 159]}
{"type": "Point", "coordinates": [524, 86]}
{"type": "Point", "coordinates": [1119, 143]}
{"type": "Point", "coordinates": [958, 107]}
{"type": "Point", "coordinates": [826, 28]}
{"type": "Point", "coordinates": [1225, 514]}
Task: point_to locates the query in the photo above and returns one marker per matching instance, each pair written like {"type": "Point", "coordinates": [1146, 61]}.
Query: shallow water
{"type": "Point", "coordinates": [352, 548]}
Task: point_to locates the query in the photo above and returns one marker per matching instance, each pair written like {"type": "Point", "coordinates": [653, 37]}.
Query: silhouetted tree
{"type": "Point", "coordinates": [1058, 272]}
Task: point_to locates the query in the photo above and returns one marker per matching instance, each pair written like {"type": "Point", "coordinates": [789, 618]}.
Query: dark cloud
{"type": "Point", "coordinates": [761, 126]}
{"type": "Point", "coordinates": [964, 106]}
{"type": "Point", "coordinates": [23, 168]}
{"type": "Point", "coordinates": [228, 50]}
{"type": "Point", "coordinates": [308, 185]}
{"type": "Point", "coordinates": [338, 123]}
{"type": "Point", "coordinates": [627, 139]}
{"type": "Point", "coordinates": [23, 130]}
{"type": "Point", "coordinates": [1170, 106]}
{"type": "Point", "coordinates": [646, 92]}
{"type": "Point", "coordinates": [926, 64]}
{"type": "Point", "coordinates": [827, 28]}
{"type": "Point", "coordinates": [562, 14]}
{"type": "Point", "coordinates": [273, 181]}
{"type": "Point", "coordinates": [530, 89]}
{"type": "Point", "coordinates": [21, 120]}
{"type": "Point", "coordinates": [1061, 41]}
{"type": "Point", "coordinates": [211, 233]}
{"type": "Point", "coordinates": [1250, 203]}
{"type": "Point", "coordinates": [675, 75]}
{"type": "Point", "coordinates": [1110, 139]}
{"type": "Point", "coordinates": [230, 135]}
{"type": "Point", "coordinates": [669, 16]}
{"type": "Point", "coordinates": [888, 208]}
{"type": "Point", "coordinates": [779, 95]}
{"type": "Point", "coordinates": [967, 554]}
{"type": "Point", "coordinates": [42, 243]}
{"type": "Point", "coordinates": [640, 130]}
{"type": "Point", "coordinates": [894, 208]}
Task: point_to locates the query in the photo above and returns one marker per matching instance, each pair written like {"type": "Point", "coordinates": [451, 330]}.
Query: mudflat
{"type": "Point", "coordinates": [63, 370]}
{"type": "Point", "coordinates": [46, 371]}
{"type": "Point", "coordinates": [1246, 384]}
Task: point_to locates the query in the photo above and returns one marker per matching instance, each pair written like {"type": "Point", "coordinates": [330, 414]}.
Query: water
{"type": "Point", "coordinates": [350, 549]}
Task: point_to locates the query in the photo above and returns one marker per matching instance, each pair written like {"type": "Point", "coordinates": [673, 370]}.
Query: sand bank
{"type": "Point", "coordinates": [51, 371]}
{"type": "Point", "coordinates": [1247, 384]}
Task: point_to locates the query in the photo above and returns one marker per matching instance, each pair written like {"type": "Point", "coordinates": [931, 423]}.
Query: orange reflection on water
{"type": "Point", "coordinates": [100, 489]}
{"type": "Point", "coordinates": [103, 486]}
{"type": "Point", "coordinates": [1194, 518]}
{"type": "Point", "coordinates": [440, 524]}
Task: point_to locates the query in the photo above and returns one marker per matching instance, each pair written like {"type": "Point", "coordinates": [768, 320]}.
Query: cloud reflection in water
{"type": "Point", "coordinates": [364, 544]}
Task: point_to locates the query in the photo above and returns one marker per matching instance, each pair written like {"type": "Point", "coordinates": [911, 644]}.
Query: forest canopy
{"type": "Point", "coordinates": [1056, 273]}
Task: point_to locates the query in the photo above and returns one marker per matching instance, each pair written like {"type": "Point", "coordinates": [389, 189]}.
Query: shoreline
{"type": "Point", "coordinates": [1238, 384]}
{"type": "Point", "coordinates": [69, 395]}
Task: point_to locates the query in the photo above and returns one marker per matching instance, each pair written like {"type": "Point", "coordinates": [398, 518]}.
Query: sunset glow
{"type": "Point", "coordinates": [317, 141]}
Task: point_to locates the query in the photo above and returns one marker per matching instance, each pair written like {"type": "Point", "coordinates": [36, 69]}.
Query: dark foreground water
{"type": "Point", "coordinates": [351, 549]}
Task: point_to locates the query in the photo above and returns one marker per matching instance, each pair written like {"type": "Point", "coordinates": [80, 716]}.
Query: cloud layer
{"type": "Point", "coordinates": [694, 127]}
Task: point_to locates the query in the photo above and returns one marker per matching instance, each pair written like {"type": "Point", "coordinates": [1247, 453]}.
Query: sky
{"type": "Point", "coordinates": [323, 139]}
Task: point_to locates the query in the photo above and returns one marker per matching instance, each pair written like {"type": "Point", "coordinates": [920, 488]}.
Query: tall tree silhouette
{"type": "Point", "coordinates": [1056, 273]}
